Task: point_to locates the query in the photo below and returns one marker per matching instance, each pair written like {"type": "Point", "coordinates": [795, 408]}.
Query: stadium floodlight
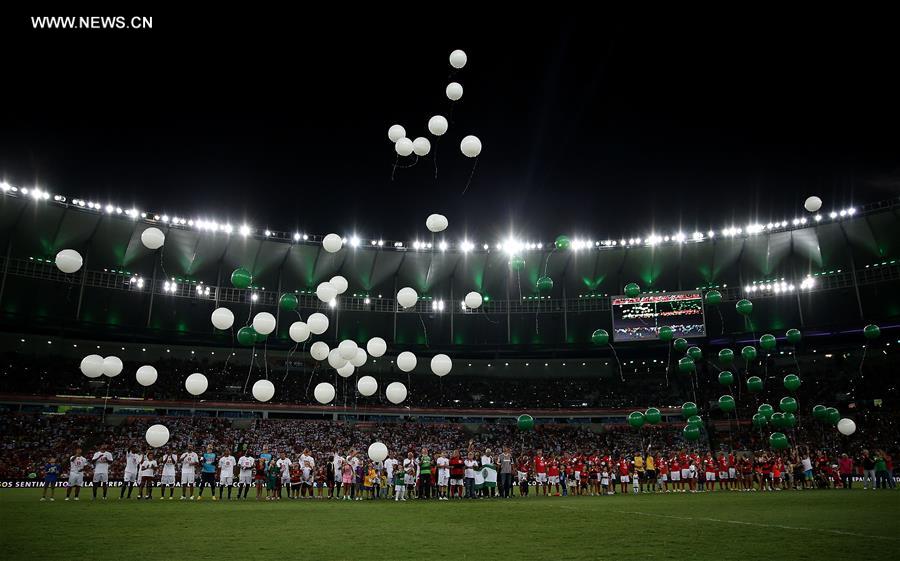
{"type": "Point", "coordinates": [333, 303]}
{"type": "Point", "coordinates": [380, 243]}
{"type": "Point", "coordinates": [245, 230]}
{"type": "Point", "coordinates": [305, 237]}
{"type": "Point", "coordinates": [466, 246]}
{"type": "Point", "coordinates": [843, 213]}
{"type": "Point", "coordinates": [416, 245]}
{"type": "Point", "coordinates": [818, 218]}
{"type": "Point", "coordinates": [254, 297]}
{"type": "Point", "coordinates": [443, 246]}
{"type": "Point", "coordinates": [851, 211]}
{"type": "Point", "coordinates": [354, 241]}
{"type": "Point", "coordinates": [297, 237]}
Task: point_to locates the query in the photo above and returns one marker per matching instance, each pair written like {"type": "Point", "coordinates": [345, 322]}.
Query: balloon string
{"type": "Point", "coordinates": [266, 358]}
{"type": "Point", "coordinates": [252, 360]}
{"type": "Point", "coordinates": [613, 349]}
{"type": "Point", "coordinates": [394, 166]}
{"type": "Point", "coordinates": [547, 261]}
{"type": "Point", "coordinates": [434, 157]}
{"type": "Point", "coordinates": [668, 365]}
{"type": "Point", "coordinates": [311, 376]}
{"type": "Point", "coordinates": [469, 182]}
{"type": "Point", "coordinates": [287, 362]}
{"type": "Point", "coordinates": [105, 399]}
{"type": "Point", "coordinates": [721, 320]}
{"type": "Point", "coordinates": [415, 161]}
{"type": "Point", "coordinates": [489, 317]}
{"type": "Point", "coordinates": [424, 329]}
{"type": "Point", "coordinates": [519, 283]}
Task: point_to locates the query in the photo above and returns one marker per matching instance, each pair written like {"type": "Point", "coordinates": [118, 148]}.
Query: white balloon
{"type": "Point", "coordinates": [404, 146]}
{"type": "Point", "coordinates": [146, 375]}
{"type": "Point", "coordinates": [157, 435]}
{"type": "Point", "coordinates": [324, 393]}
{"type": "Point", "coordinates": [813, 204]}
{"type": "Point", "coordinates": [396, 132]}
{"type": "Point", "coordinates": [112, 366]}
{"type": "Point", "coordinates": [395, 392]}
{"type": "Point", "coordinates": [222, 318]}
{"type": "Point", "coordinates": [318, 323]}
{"type": "Point", "coordinates": [153, 238]}
{"type": "Point", "coordinates": [407, 297]}
{"type": "Point", "coordinates": [376, 347]}
{"type": "Point", "coordinates": [346, 371]}
{"type": "Point", "coordinates": [473, 300]}
{"type": "Point", "coordinates": [196, 384]}
{"type": "Point", "coordinates": [437, 125]}
{"type": "Point", "coordinates": [846, 427]}
{"type": "Point", "coordinates": [441, 364]}
{"type": "Point", "coordinates": [326, 292]}
{"type": "Point", "coordinates": [334, 359]}
{"type": "Point", "coordinates": [458, 58]}
{"type": "Point", "coordinates": [470, 146]}
{"type": "Point", "coordinates": [421, 146]}
{"type": "Point", "coordinates": [406, 361]}
{"type": "Point", "coordinates": [332, 243]}
{"type": "Point", "coordinates": [378, 452]}
{"type": "Point", "coordinates": [319, 350]}
{"type": "Point", "coordinates": [436, 223]}
{"type": "Point", "coordinates": [68, 261]}
{"type": "Point", "coordinates": [359, 358]}
{"type": "Point", "coordinates": [454, 91]}
{"type": "Point", "coordinates": [347, 349]}
{"type": "Point", "coordinates": [92, 366]}
{"type": "Point", "coordinates": [339, 283]}
{"type": "Point", "coordinates": [367, 386]}
{"type": "Point", "coordinates": [299, 332]}
{"type": "Point", "coordinates": [264, 323]}
{"type": "Point", "coordinates": [263, 390]}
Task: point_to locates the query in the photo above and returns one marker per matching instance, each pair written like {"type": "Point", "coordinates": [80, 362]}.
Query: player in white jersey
{"type": "Point", "coordinates": [133, 460]}
{"type": "Point", "coordinates": [189, 462]}
{"type": "Point", "coordinates": [307, 471]}
{"type": "Point", "coordinates": [337, 462]}
{"type": "Point", "coordinates": [101, 459]}
{"type": "Point", "coordinates": [284, 464]}
{"type": "Point", "coordinates": [245, 478]}
{"type": "Point", "coordinates": [167, 479]}
{"type": "Point", "coordinates": [147, 474]}
{"type": "Point", "coordinates": [226, 472]}
{"type": "Point", "coordinates": [77, 463]}
{"type": "Point", "coordinates": [443, 476]}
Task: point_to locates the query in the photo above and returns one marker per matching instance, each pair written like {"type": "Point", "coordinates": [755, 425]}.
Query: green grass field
{"type": "Point", "coordinates": [787, 525]}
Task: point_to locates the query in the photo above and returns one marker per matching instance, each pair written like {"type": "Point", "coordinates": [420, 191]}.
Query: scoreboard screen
{"type": "Point", "coordinates": [639, 318]}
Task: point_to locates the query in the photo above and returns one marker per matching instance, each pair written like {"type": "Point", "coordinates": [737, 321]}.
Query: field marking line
{"type": "Point", "coordinates": [761, 525]}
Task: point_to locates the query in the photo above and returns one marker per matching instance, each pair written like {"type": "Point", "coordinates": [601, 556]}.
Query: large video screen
{"type": "Point", "coordinates": [639, 318]}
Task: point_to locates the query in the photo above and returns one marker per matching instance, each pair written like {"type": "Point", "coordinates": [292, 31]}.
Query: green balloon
{"type": "Point", "coordinates": [260, 338]}
{"type": "Point", "coordinates": [754, 384]}
{"type": "Point", "coordinates": [686, 365]}
{"type": "Point", "coordinates": [759, 420]}
{"type": "Point", "coordinates": [525, 422]}
{"type": "Point", "coordinates": [713, 297]}
{"type": "Point", "coordinates": [726, 357]}
{"type": "Point", "coordinates": [793, 336]}
{"type": "Point", "coordinates": [691, 432]}
{"type": "Point", "coordinates": [820, 412]}
{"type": "Point", "coordinates": [790, 420]}
{"type": "Point", "coordinates": [636, 419]}
{"type": "Point", "coordinates": [788, 404]}
{"type": "Point", "coordinates": [777, 420]}
{"type": "Point", "coordinates": [688, 409]}
{"type": "Point", "coordinates": [778, 441]}
{"type": "Point", "coordinates": [632, 290]}
{"type": "Point", "coordinates": [792, 382]}
{"type": "Point", "coordinates": [288, 302]}
{"type": "Point", "coordinates": [562, 242]}
{"type": "Point", "coordinates": [726, 403]}
{"type": "Point", "coordinates": [666, 333]}
{"type": "Point", "coordinates": [872, 331]}
{"type": "Point", "coordinates": [653, 416]}
{"type": "Point", "coordinates": [695, 353]}
{"type": "Point", "coordinates": [766, 410]}
{"type": "Point", "coordinates": [241, 278]}
{"type": "Point", "coordinates": [695, 420]}
{"type": "Point", "coordinates": [600, 337]}
{"type": "Point", "coordinates": [749, 353]}
{"type": "Point", "coordinates": [517, 262]}
{"type": "Point", "coordinates": [246, 336]}
{"type": "Point", "coordinates": [832, 415]}
{"type": "Point", "coordinates": [767, 342]}
{"type": "Point", "coordinates": [726, 378]}
{"type": "Point", "coordinates": [680, 345]}
{"type": "Point", "coordinates": [544, 284]}
{"type": "Point", "coordinates": [744, 307]}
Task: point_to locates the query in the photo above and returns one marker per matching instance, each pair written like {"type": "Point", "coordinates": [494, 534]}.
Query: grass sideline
{"type": "Point", "coordinates": [722, 525]}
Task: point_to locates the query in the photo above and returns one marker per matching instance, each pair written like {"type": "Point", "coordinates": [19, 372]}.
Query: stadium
{"type": "Point", "coordinates": [201, 357]}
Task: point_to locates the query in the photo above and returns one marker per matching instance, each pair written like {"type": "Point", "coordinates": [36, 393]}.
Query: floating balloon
{"type": "Point", "coordinates": [318, 323]}
{"type": "Point", "coordinates": [872, 331]}
{"type": "Point", "coordinates": [421, 146]}
{"type": "Point", "coordinates": [326, 292]}
{"type": "Point", "coordinates": [726, 403]}
{"type": "Point", "coordinates": [686, 365]}
{"type": "Point", "coordinates": [407, 297]}
{"type": "Point", "coordinates": [600, 337]}
{"type": "Point", "coordinates": [812, 204]}
{"type": "Point", "coordinates": [788, 405]}
{"type": "Point", "coordinates": [264, 323]}
{"type": "Point", "coordinates": [112, 366]}
{"type": "Point", "coordinates": [324, 393]}
{"type": "Point", "coordinates": [525, 422]}
{"type": "Point", "coordinates": [376, 347]}
{"type": "Point", "coordinates": [339, 283]}
{"type": "Point", "coordinates": [346, 371]}
{"type": "Point", "coordinates": [260, 337]}
{"type": "Point", "coordinates": [777, 420]}
{"type": "Point", "coordinates": [334, 359]}
{"type": "Point", "coordinates": [378, 452]}
{"type": "Point", "coordinates": [632, 290]}
{"type": "Point", "coordinates": [395, 393]}
{"type": "Point", "coordinates": [454, 91]}
{"type": "Point", "coordinates": [767, 342]}
{"type": "Point", "coordinates": [473, 300]}
{"type": "Point", "coordinates": [793, 336]}
{"type": "Point", "coordinates": [790, 420]}
{"type": "Point", "coordinates": [695, 420]}
{"type": "Point", "coordinates": [726, 357]}
{"type": "Point", "coordinates": [298, 332]}
{"type": "Point", "coordinates": [691, 432]}
{"type": "Point", "coordinates": [778, 441]}
{"type": "Point", "coordinates": [458, 59]}
{"type": "Point", "coordinates": [517, 262]}
{"type": "Point", "coordinates": [754, 384]}
{"type": "Point", "coordinates": [846, 427]}
{"type": "Point", "coordinates": [246, 336]}
{"type": "Point", "coordinates": [792, 382]}
{"type": "Point", "coordinates": [695, 353]}
{"type": "Point", "coordinates": [437, 125]}
{"type": "Point", "coordinates": [69, 261]}
{"type": "Point", "coordinates": [744, 307]}
{"type": "Point", "coordinates": [222, 318]}
{"type": "Point", "coordinates": [562, 242]}
{"type": "Point", "coordinates": [653, 415]}
{"type": "Point", "coordinates": [666, 333]}
{"type": "Point", "coordinates": [403, 147]}
{"type": "Point", "coordinates": [196, 384]}
{"type": "Point", "coordinates": [759, 420]}
{"type": "Point", "coordinates": [263, 390]}
{"type": "Point", "coordinates": [726, 378]}
{"type": "Point", "coordinates": [157, 435]}
{"type": "Point", "coordinates": [441, 364]}
{"type": "Point", "coordinates": [146, 375]}
{"type": "Point", "coordinates": [319, 350]}
{"type": "Point", "coordinates": [636, 419]}
{"type": "Point", "coordinates": [713, 297]}
{"type": "Point", "coordinates": [153, 238]}
{"type": "Point", "coordinates": [832, 415]}
{"type": "Point", "coordinates": [367, 386]}
{"type": "Point", "coordinates": [436, 223]}
{"type": "Point", "coordinates": [396, 132]}
{"type": "Point", "coordinates": [766, 410]}
{"type": "Point", "coordinates": [359, 358]}
{"type": "Point", "coordinates": [544, 284]}
{"type": "Point", "coordinates": [680, 345]}
{"type": "Point", "coordinates": [406, 361]}
{"type": "Point", "coordinates": [470, 146]}
{"type": "Point", "coordinates": [92, 366]}
{"type": "Point", "coordinates": [241, 278]}
{"type": "Point", "coordinates": [347, 349]}
{"type": "Point", "coordinates": [688, 409]}
{"type": "Point", "coordinates": [819, 412]}
{"type": "Point", "coordinates": [332, 243]}
{"type": "Point", "coordinates": [749, 353]}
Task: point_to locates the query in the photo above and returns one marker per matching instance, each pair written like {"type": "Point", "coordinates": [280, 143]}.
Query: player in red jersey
{"type": "Point", "coordinates": [746, 467]}
{"type": "Point", "coordinates": [540, 471]}
{"type": "Point", "coordinates": [724, 480]}
{"type": "Point", "coordinates": [624, 469]}
{"type": "Point", "coordinates": [580, 474]}
{"type": "Point", "coordinates": [709, 470]}
{"type": "Point", "coordinates": [522, 469]}
{"type": "Point", "coordinates": [662, 464]}
{"type": "Point", "coordinates": [457, 475]}
{"type": "Point", "coordinates": [553, 475]}
{"type": "Point", "coordinates": [676, 471]}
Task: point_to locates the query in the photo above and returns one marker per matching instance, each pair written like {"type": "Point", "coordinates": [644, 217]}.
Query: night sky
{"type": "Point", "coordinates": [591, 126]}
